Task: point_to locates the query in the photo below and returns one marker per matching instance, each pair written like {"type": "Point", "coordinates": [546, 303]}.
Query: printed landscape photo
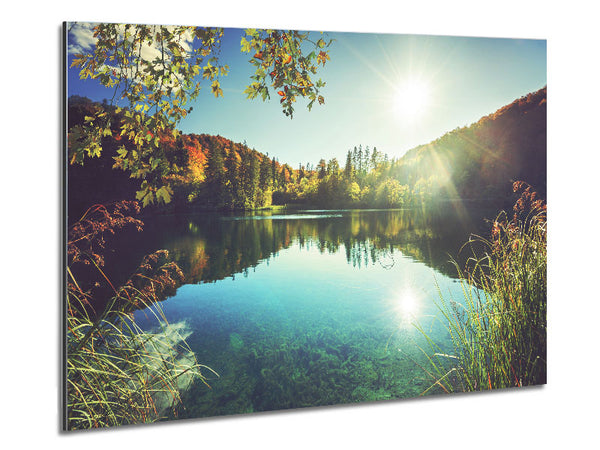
{"type": "Point", "coordinates": [260, 220]}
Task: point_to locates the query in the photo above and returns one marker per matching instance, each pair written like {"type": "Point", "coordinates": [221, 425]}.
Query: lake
{"type": "Point", "coordinates": [309, 307]}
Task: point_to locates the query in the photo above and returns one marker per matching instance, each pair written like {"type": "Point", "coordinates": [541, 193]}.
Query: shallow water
{"type": "Point", "coordinates": [313, 307]}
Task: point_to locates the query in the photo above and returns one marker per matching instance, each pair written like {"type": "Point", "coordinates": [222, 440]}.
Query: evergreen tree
{"type": "Point", "coordinates": [301, 173]}
{"type": "Point", "coordinates": [215, 176]}
{"type": "Point", "coordinates": [265, 173]}
{"type": "Point", "coordinates": [349, 169]}
{"type": "Point", "coordinates": [274, 177]}
{"type": "Point", "coordinates": [252, 180]}
{"type": "Point", "coordinates": [233, 191]}
{"type": "Point", "coordinates": [359, 158]}
{"type": "Point", "coordinates": [333, 167]}
{"type": "Point", "coordinates": [374, 159]}
{"type": "Point", "coordinates": [322, 169]}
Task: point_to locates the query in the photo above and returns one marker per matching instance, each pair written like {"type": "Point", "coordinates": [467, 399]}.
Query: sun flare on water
{"type": "Point", "coordinates": [407, 305]}
{"type": "Point", "coordinates": [411, 99]}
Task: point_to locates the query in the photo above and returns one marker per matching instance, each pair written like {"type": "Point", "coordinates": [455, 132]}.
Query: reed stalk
{"type": "Point", "coordinates": [117, 373]}
{"type": "Point", "coordinates": [498, 330]}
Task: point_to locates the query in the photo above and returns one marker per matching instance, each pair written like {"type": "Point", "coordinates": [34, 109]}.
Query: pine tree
{"type": "Point", "coordinates": [274, 178]}
{"type": "Point", "coordinates": [265, 174]}
{"type": "Point", "coordinates": [233, 191]}
{"type": "Point", "coordinates": [374, 158]}
{"type": "Point", "coordinates": [359, 157]}
{"type": "Point", "coordinates": [349, 169]}
{"type": "Point", "coordinates": [215, 175]}
{"type": "Point", "coordinates": [322, 169]}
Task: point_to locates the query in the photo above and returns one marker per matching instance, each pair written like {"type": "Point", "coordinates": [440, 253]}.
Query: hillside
{"type": "Point", "coordinates": [481, 160]}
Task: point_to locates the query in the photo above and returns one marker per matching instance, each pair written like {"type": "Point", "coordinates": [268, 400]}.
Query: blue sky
{"type": "Point", "coordinates": [461, 79]}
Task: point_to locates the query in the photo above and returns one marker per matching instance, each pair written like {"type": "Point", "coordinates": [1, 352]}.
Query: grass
{"type": "Point", "coordinates": [118, 374]}
{"type": "Point", "coordinates": [499, 330]}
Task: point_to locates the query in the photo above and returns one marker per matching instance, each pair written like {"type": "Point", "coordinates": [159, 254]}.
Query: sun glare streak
{"type": "Point", "coordinates": [373, 66]}
{"type": "Point", "coordinates": [448, 184]}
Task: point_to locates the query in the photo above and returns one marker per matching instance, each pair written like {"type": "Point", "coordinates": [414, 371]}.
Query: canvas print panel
{"type": "Point", "coordinates": [260, 220]}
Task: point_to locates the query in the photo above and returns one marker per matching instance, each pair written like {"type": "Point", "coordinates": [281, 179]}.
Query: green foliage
{"type": "Point", "coordinates": [154, 69]}
{"type": "Point", "coordinates": [158, 70]}
{"type": "Point", "coordinates": [284, 64]}
{"type": "Point", "coordinates": [391, 194]}
{"type": "Point", "coordinates": [471, 163]}
{"type": "Point", "coordinates": [353, 192]}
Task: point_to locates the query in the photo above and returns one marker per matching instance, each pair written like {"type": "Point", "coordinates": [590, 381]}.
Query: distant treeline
{"type": "Point", "coordinates": [477, 162]}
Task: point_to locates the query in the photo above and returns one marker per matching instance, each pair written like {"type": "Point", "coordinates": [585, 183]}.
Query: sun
{"type": "Point", "coordinates": [411, 100]}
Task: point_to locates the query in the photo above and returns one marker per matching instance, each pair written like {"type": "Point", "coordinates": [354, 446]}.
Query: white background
{"type": "Point", "coordinates": [563, 413]}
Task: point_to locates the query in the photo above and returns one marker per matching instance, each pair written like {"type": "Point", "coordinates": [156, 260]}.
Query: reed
{"type": "Point", "coordinates": [117, 373]}
{"type": "Point", "coordinates": [498, 330]}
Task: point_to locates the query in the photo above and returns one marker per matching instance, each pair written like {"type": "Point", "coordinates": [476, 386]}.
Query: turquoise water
{"type": "Point", "coordinates": [310, 308]}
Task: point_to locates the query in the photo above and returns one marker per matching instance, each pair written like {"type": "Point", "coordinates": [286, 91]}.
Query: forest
{"type": "Point", "coordinates": [477, 162]}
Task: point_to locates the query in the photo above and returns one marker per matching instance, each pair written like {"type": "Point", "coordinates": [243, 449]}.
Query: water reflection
{"type": "Point", "coordinates": [212, 247]}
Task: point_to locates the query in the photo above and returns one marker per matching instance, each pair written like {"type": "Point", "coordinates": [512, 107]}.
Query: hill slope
{"type": "Point", "coordinates": [479, 161]}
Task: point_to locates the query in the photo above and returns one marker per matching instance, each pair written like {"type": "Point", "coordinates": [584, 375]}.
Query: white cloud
{"type": "Point", "coordinates": [81, 40]}
{"type": "Point", "coordinates": [81, 37]}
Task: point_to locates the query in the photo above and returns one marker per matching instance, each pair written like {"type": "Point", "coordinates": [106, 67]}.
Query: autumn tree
{"type": "Point", "coordinates": [158, 70]}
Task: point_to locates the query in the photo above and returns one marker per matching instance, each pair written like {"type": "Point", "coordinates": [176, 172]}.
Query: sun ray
{"type": "Point", "coordinates": [448, 185]}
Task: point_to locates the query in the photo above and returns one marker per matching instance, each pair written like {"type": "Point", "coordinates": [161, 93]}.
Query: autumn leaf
{"type": "Point", "coordinates": [245, 45]}
{"type": "Point", "coordinates": [216, 89]}
{"type": "Point", "coordinates": [164, 194]}
{"type": "Point", "coordinates": [322, 57]}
